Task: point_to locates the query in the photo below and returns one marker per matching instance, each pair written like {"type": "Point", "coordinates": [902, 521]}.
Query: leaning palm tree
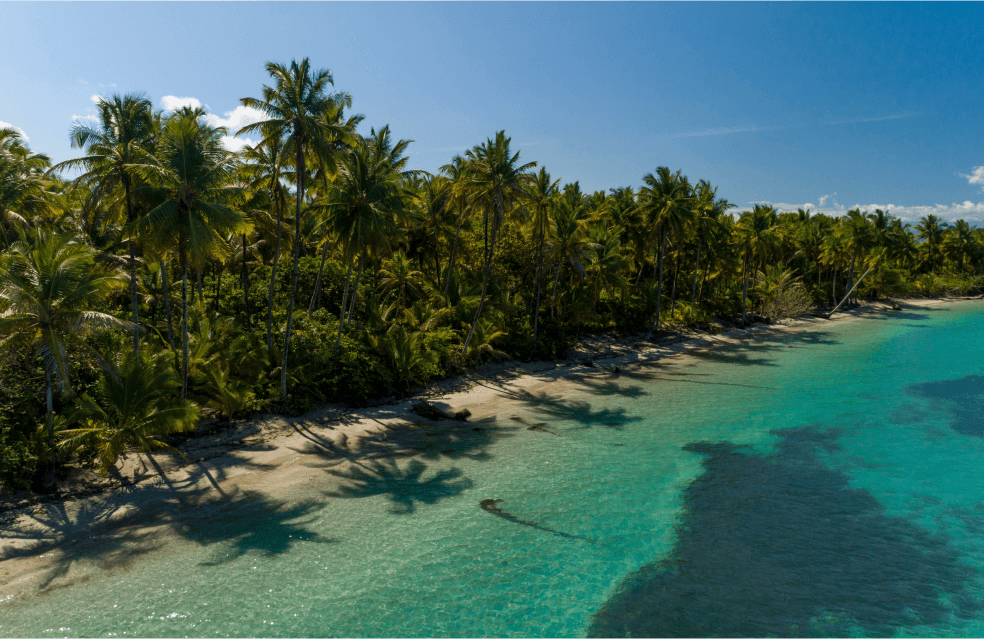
{"type": "Point", "coordinates": [665, 200]}
{"type": "Point", "coordinates": [136, 406]}
{"type": "Point", "coordinates": [48, 283]}
{"type": "Point", "coordinates": [298, 110]}
{"type": "Point", "coordinates": [121, 140]}
{"type": "Point", "coordinates": [495, 181]}
{"type": "Point", "coordinates": [191, 179]}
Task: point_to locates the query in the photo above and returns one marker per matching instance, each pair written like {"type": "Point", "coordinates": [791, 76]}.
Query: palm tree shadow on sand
{"type": "Point", "coordinates": [404, 486]}
{"type": "Point", "coordinates": [780, 545]}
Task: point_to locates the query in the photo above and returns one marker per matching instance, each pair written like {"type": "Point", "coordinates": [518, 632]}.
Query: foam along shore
{"type": "Point", "coordinates": [264, 457]}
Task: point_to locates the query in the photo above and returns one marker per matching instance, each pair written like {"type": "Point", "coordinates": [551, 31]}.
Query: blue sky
{"type": "Point", "coordinates": [820, 105]}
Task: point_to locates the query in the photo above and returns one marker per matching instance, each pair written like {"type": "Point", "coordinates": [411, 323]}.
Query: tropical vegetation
{"type": "Point", "coordinates": [159, 279]}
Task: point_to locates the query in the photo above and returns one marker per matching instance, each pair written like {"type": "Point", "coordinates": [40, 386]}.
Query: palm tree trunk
{"type": "Point", "coordinates": [218, 286]}
{"type": "Point", "coordinates": [167, 305]}
{"type": "Point", "coordinates": [133, 264]}
{"type": "Point", "coordinates": [317, 283]}
{"type": "Point", "coordinates": [198, 278]}
{"type": "Point", "coordinates": [133, 294]}
{"type": "Point", "coordinates": [249, 319]}
{"type": "Point", "coordinates": [553, 297]}
{"type": "Point", "coordinates": [341, 312]}
{"type": "Point", "coordinates": [485, 285]}
{"type": "Point", "coordinates": [454, 252]}
{"type": "Point", "coordinates": [676, 271]}
{"type": "Point", "coordinates": [850, 275]}
{"type": "Point", "coordinates": [50, 404]}
{"type": "Point", "coordinates": [273, 273]}
{"type": "Point", "coordinates": [744, 293]}
{"type": "Point", "coordinates": [659, 287]}
{"type": "Point", "coordinates": [355, 291]}
{"type": "Point", "coordinates": [539, 278]}
{"type": "Point", "coordinates": [833, 290]}
{"type": "Point", "coordinates": [693, 286]}
{"type": "Point", "coordinates": [184, 332]}
{"type": "Point", "coordinates": [297, 258]}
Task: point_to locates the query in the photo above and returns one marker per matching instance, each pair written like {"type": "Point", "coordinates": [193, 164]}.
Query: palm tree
{"type": "Point", "coordinates": [299, 116]}
{"type": "Point", "coordinates": [191, 179]}
{"type": "Point", "coordinates": [931, 230]}
{"type": "Point", "coordinates": [860, 235]}
{"type": "Point", "coordinates": [706, 222]}
{"type": "Point", "coordinates": [495, 181]}
{"type": "Point", "coordinates": [758, 240]}
{"type": "Point", "coordinates": [664, 201]}
{"type": "Point", "coordinates": [134, 407]}
{"type": "Point", "coordinates": [122, 139]}
{"type": "Point", "coordinates": [362, 202]}
{"type": "Point", "coordinates": [958, 243]}
{"type": "Point", "coordinates": [398, 272]}
{"type": "Point", "coordinates": [569, 246]}
{"type": "Point", "coordinates": [541, 193]}
{"type": "Point", "coordinates": [22, 186]}
{"type": "Point", "coordinates": [47, 284]}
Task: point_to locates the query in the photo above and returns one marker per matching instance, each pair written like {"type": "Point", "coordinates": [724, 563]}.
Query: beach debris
{"type": "Point", "coordinates": [589, 363]}
{"type": "Point", "coordinates": [434, 413]}
{"type": "Point", "coordinates": [541, 426]}
{"type": "Point", "coordinates": [489, 506]}
{"type": "Point", "coordinates": [896, 307]}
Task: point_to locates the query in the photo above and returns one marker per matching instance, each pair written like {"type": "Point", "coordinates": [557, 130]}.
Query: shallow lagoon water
{"type": "Point", "coordinates": [821, 483]}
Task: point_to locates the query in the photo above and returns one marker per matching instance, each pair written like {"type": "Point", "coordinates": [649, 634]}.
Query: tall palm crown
{"type": "Point", "coordinates": [931, 230]}
{"type": "Point", "coordinates": [665, 201]}
{"type": "Point", "coordinates": [495, 182]}
{"type": "Point", "coordinates": [122, 139]}
{"type": "Point", "coordinates": [22, 187]}
{"type": "Point", "coordinates": [303, 116]}
{"type": "Point", "coordinates": [191, 178]}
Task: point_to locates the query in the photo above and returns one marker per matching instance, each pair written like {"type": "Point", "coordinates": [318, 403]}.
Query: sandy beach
{"type": "Point", "coordinates": [267, 455]}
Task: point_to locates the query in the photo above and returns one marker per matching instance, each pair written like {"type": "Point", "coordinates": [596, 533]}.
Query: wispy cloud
{"type": "Point", "coordinates": [755, 128]}
{"type": "Point", "coordinates": [79, 118]}
{"type": "Point", "coordinates": [7, 125]}
{"type": "Point", "coordinates": [823, 198]}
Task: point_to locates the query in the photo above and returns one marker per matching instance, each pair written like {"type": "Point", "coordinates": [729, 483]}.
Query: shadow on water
{"type": "Point", "coordinates": [962, 399]}
{"type": "Point", "coordinates": [405, 486]}
{"type": "Point", "coordinates": [780, 545]}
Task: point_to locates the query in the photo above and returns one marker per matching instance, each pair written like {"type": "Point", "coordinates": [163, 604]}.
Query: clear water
{"type": "Point", "coordinates": [825, 483]}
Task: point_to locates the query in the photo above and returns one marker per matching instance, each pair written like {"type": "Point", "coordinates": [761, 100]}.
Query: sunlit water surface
{"type": "Point", "coordinates": [825, 483]}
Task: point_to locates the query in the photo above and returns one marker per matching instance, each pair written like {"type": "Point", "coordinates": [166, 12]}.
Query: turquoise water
{"type": "Point", "coordinates": [825, 483]}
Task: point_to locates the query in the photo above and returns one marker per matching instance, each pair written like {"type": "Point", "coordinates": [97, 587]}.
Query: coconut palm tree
{"type": "Point", "coordinates": [48, 284]}
{"type": "Point", "coordinates": [299, 111]}
{"type": "Point", "coordinates": [541, 193]}
{"type": "Point", "coordinates": [706, 222]}
{"type": "Point", "coordinates": [362, 203]}
{"type": "Point", "coordinates": [931, 230]}
{"type": "Point", "coordinates": [665, 201]}
{"type": "Point", "coordinates": [190, 177]}
{"type": "Point", "coordinates": [22, 185]}
{"type": "Point", "coordinates": [495, 182]}
{"type": "Point", "coordinates": [399, 273]}
{"type": "Point", "coordinates": [860, 235]}
{"type": "Point", "coordinates": [121, 140]}
{"type": "Point", "coordinates": [758, 240]}
{"type": "Point", "coordinates": [569, 246]}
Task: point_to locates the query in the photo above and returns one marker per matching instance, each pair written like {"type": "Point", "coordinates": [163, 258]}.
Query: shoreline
{"type": "Point", "coordinates": [257, 457]}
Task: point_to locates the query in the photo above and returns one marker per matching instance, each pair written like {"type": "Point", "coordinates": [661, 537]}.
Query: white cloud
{"type": "Point", "coordinates": [95, 97]}
{"type": "Point", "coordinates": [969, 211]}
{"type": "Point", "coordinates": [823, 198]}
{"type": "Point", "coordinates": [7, 125]}
{"type": "Point", "coordinates": [80, 118]}
{"type": "Point", "coordinates": [977, 177]}
{"type": "Point", "coordinates": [236, 144]}
{"type": "Point", "coordinates": [173, 103]}
{"type": "Point", "coordinates": [237, 118]}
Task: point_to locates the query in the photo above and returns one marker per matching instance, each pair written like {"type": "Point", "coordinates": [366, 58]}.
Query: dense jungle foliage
{"type": "Point", "coordinates": [172, 280]}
